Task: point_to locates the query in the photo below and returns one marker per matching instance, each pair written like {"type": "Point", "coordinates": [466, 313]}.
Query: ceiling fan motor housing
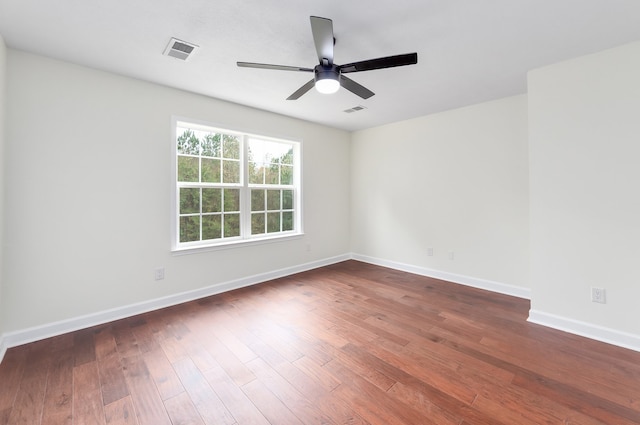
{"type": "Point", "coordinates": [327, 72]}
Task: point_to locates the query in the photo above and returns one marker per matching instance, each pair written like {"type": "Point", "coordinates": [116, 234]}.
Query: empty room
{"type": "Point", "coordinates": [293, 212]}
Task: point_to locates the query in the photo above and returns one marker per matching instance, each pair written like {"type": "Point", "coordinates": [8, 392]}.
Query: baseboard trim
{"type": "Point", "coordinates": [25, 336]}
{"type": "Point", "coordinates": [3, 347]}
{"type": "Point", "coordinates": [595, 332]}
{"type": "Point", "coordinates": [588, 330]}
{"type": "Point", "coordinates": [502, 288]}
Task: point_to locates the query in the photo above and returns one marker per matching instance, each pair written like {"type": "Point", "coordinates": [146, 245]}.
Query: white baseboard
{"type": "Point", "coordinates": [3, 347]}
{"type": "Point", "coordinates": [488, 285]}
{"type": "Point", "coordinates": [24, 336]}
{"type": "Point", "coordinates": [588, 330]}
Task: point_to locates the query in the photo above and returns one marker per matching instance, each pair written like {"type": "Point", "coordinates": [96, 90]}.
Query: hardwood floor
{"type": "Point", "coordinates": [347, 344]}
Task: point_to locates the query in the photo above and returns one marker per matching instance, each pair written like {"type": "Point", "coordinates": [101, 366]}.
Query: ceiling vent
{"type": "Point", "coordinates": [354, 109]}
{"type": "Point", "coordinates": [180, 49]}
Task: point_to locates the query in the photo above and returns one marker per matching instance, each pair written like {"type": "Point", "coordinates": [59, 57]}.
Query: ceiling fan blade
{"type": "Point", "coordinates": [355, 88]}
{"type": "Point", "coordinates": [322, 29]}
{"type": "Point", "coordinates": [276, 67]}
{"type": "Point", "coordinates": [380, 63]}
{"type": "Point", "coordinates": [302, 90]}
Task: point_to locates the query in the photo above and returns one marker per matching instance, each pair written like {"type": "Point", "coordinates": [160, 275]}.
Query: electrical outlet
{"type": "Point", "coordinates": [599, 295]}
{"type": "Point", "coordinates": [159, 273]}
{"type": "Point", "coordinates": [430, 252]}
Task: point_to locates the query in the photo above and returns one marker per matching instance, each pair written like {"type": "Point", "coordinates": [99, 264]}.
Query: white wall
{"type": "Point", "coordinates": [3, 68]}
{"type": "Point", "coordinates": [584, 120]}
{"type": "Point", "coordinates": [455, 181]}
{"type": "Point", "coordinates": [88, 193]}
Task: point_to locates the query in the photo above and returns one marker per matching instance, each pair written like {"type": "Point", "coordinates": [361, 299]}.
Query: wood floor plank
{"type": "Point", "coordinates": [371, 402]}
{"type": "Point", "coordinates": [349, 343]}
{"type": "Point", "coordinates": [11, 370]}
{"type": "Point", "coordinates": [514, 406]}
{"type": "Point", "coordinates": [144, 335]}
{"type": "Point", "coordinates": [600, 379]}
{"type": "Point", "coordinates": [126, 342]}
{"type": "Point", "coordinates": [112, 380]}
{"type": "Point", "coordinates": [105, 342]}
{"type": "Point", "coordinates": [174, 349]}
{"type": "Point", "coordinates": [581, 402]}
{"type": "Point", "coordinates": [4, 415]}
{"type": "Point", "coordinates": [278, 338]}
{"type": "Point", "coordinates": [231, 394]}
{"type": "Point", "coordinates": [438, 407]}
{"type": "Point", "coordinates": [232, 365]}
{"type": "Point", "coordinates": [229, 334]}
{"type": "Point", "coordinates": [58, 400]}
{"type": "Point", "coordinates": [211, 408]}
{"type": "Point", "coordinates": [431, 373]}
{"type": "Point", "coordinates": [269, 405]}
{"type": "Point", "coordinates": [121, 412]}
{"type": "Point", "coordinates": [339, 410]}
{"type": "Point", "coordinates": [146, 399]}
{"type": "Point", "coordinates": [84, 346]}
{"type": "Point", "coordinates": [87, 398]}
{"type": "Point", "coordinates": [162, 373]}
{"type": "Point", "coordinates": [182, 411]}
{"type": "Point", "coordinates": [29, 400]}
{"type": "Point", "coordinates": [291, 394]}
{"type": "Point", "coordinates": [318, 374]}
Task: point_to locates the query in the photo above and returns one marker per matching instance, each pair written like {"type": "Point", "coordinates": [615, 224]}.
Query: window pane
{"type": "Point", "coordinates": [263, 151]}
{"type": "Point", "coordinates": [273, 199]}
{"type": "Point", "coordinates": [286, 174]}
{"type": "Point", "coordinates": [211, 226]}
{"type": "Point", "coordinates": [211, 145]}
{"type": "Point", "coordinates": [257, 223]}
{"type": "Point", "coordinates": [188, 169]}
{"type": "Point", "coordinates": [231, 171]}
{"type": "Point", "coordinates": [287, 221]}
{"type": "Point", "coordinates": [273, 222]}
{"type": "Point", "coordinates": [211, 200]}
{"type": "Point", "coordinates": [256, 173]}
{"type": "Point", "coordinates": [189, 229]}
{"type": "Point", "coordinates": [210, 170]}
{"type": "Point", "coordinates": [231, 225]}
{"type": "Point", "coordinates": [189, 200]}
{"type": "Point", "coordinates": [232, 199]}
{"type": "Point", "coordinates": [188, 142]}
{"type": "Point", "coordinates": [257, 200]}
{"type": "Point", "coordinates": [287, 199]}
{"type": "Point", "coordinates": [287, 158]}
{"type": "Point", "coordinates": [231, 147]}
{"type": "Point", "coordinates": [271, 174]}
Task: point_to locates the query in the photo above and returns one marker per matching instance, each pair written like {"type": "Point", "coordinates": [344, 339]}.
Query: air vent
{"type": "Point", "coordinates": [180, 49]}
{"type": "Point", "coordinates": [354, 109]}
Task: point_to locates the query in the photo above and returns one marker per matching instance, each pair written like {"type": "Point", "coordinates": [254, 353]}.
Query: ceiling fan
{"type": "Point", "coordinates": [328, 77]}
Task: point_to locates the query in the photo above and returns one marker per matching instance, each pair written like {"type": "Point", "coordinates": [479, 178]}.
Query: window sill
{"type": "Point", "coordinates": [235, 244]}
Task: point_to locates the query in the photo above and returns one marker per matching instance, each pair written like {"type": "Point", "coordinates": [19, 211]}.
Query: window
{"type": "Point", "coordinates": [233, 187]}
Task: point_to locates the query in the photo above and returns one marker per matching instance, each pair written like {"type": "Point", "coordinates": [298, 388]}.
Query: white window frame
{"type": "Point", "coordinates": [245, 237]}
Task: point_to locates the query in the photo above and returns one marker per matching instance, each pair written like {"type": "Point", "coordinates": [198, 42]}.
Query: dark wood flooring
{"type": "Point", "coordinates": [346, 344]}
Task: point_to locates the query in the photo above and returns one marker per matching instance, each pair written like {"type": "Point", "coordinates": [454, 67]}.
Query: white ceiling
{"type": "Point", "coordinates": [469, 51]}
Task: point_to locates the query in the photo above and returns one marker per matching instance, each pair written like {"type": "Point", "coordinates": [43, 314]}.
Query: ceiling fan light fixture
{"type": "Point", "coordinates": [327, 80]}
{"type": "Point", "coordinates": [327, 86]}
